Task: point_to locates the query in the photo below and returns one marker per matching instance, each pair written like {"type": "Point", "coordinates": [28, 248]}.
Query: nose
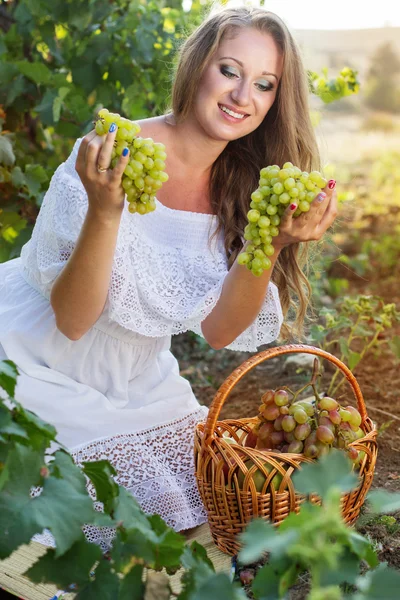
{"type": "Point", "coordinates": [241, 92]}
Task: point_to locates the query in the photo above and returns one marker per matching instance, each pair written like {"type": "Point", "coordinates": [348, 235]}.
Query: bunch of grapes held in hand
{"type": "Point", "coordinates": [310, 427]}
{"type": "Point", "coordinates": [277, 189]}
{"type": "Point", "coordinates": [144, 174]}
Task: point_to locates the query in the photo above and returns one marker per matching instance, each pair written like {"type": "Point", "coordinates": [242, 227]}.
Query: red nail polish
{"type": "Point", "coordinates": [331, 184]}
{"type": "Point", "coordinates": [292, 206]}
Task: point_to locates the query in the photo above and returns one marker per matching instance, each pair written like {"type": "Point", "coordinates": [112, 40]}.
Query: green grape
{"type": "Point", "coordinates": [277, 188]}
{"type": "Point", "coordinates": [304, 206]}
{"type": "Point", "coordinates": [144, 174]}
{"type": "Point", "coordinates": [257, 196]}
{"type": "Point", "coordinates": [288, 423]}
{"type": "Point", "coordinates": [243, 258]}
{"type": "Point", "coordinates": [328, 403]}
{"type": "Point", "coordinates": [300, 416]}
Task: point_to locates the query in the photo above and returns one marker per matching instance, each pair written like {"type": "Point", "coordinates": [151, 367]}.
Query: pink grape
{"type": "Point", "coordinates": [289, 436]}
{"type": "Point", "coordinates": [268, 397]}
{"type": "Point", "coordinates": [302, 431]}
{"type": "Point", "coordinates": [265, 431]}
{"type": "Point", "coordinates": [296, 447]}
{"type": "Point", "coordinates": [276, 437]}
{"type": "Point", "coordinates": [281, 398]}
{"type": "Point", "coordinates": [335, 417]}
{"type": "Point", "coordinates": [271, 412]}
{"type": "Point", "coordinates": [325, 435]}
{"type": "Point", "coordinates": [311, 451]}
{"type": "Point", "coordinates": [278, 423]}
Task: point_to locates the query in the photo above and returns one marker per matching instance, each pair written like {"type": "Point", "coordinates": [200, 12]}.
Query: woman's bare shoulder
{"type": "Point", "coordinates": [156, 128]}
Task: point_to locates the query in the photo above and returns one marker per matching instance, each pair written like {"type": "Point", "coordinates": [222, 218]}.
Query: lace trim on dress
{"type": "Point", "coordinates": [166, 277]}
{"type": "Point", "coordinates": [157, 466]}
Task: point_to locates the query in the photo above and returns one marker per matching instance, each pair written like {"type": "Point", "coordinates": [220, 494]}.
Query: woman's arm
{"type": "Point", "coordinates": [80, 291]}
{"type": "Point", "coordinates": [241, 300]}
{"type": "Point", "coordinates": [243, 294]}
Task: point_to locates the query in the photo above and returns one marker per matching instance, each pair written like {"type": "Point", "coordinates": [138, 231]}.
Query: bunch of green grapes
{"type": "Point", "coordinates": [277, 188]}
{"type": "Point", "coordinates": [310, 427]}
{"type": "Point", "coordinates": [144, 174]}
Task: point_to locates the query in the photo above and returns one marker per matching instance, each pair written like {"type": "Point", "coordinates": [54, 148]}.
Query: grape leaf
{"type": "Point", "coordinates": [331, 471]}
{"type": "Point", "coordinates": [8, 376]}
{"type": "Point", "coordinates": [100, 473]}
{"type": "Point", "coordinates": [354, 359]}
{"type": "Point", "coordinates": [381, 584]}
{"type": "Point", "coordinates": [37, 72]}
{"type": "Point", "coordinates": [218, 585]}
{"type": "Point", "coordinates": [346, 571]}
{"type": "Point", "coordinates": [105, 585]}
{"type": "Point", "coordinates": [73, 566]}
{"type": "Point", "coordinates": [267, 582]}
{"type": "Point", "coordinates": [362, 548]}
{"type": "Point", "coordinates": [7, 156]}
{"type": "Point", "coordinates": [62, 507]}
{"type": "Point", "coordinates": [382, 501]}
{"type": "Point", "coordinates": [132, 586]}
{"type": "Point", "coordinates": [261, 537]}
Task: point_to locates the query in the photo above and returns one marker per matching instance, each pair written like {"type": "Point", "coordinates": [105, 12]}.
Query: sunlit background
{"type": "Point", "coordinates": [341, 14]}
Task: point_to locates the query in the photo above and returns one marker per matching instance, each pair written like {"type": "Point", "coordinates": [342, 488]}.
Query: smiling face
{"type": "Point", "coordinates": [239, 85]}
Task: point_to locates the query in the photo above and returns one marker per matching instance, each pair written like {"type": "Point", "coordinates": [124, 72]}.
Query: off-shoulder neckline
{"type": "Point", "coordinates": [187, 214]}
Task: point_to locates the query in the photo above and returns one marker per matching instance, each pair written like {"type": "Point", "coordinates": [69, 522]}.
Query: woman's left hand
{"type": "Point", "coordinates": [311, 225]}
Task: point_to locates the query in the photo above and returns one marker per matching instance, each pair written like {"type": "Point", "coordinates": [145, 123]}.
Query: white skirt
{"type": "Point", "coordinates": [113, 394]}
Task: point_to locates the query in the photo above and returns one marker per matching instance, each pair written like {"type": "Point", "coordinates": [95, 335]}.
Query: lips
{"type": "Point", "coordinates": [233, 109]}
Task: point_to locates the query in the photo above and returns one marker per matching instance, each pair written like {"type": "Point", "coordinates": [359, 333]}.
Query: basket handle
{"type": "Point", "coordinates": [236, 375]}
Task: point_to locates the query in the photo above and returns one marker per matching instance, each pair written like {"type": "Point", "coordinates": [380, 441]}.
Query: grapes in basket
{"type": "Point", "coordinates": [144, 174]}
{"type": "Point", "coordinates": [310, 426]}
{"type": "Point", "coordinates": [277, 188]}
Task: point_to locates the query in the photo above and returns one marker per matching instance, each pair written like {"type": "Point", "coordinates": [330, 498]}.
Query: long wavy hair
{"type": "Point", "coordinates": [286, 134]}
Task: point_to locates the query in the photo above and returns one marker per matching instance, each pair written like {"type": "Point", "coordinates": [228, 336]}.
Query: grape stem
{"type": "Point", "coordinates": [312, 383]}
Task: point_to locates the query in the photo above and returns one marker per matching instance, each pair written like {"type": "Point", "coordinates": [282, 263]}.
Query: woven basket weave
{"type": "Point", "coordinates": [225, 483]}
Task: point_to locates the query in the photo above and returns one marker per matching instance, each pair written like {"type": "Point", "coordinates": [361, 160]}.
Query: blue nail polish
{"type": "Point", "coordinates": [321, 197]}
{"type": "Point", "coordinates": [125, 151]}
{"type": "Point", "coordinates": [113, 127]}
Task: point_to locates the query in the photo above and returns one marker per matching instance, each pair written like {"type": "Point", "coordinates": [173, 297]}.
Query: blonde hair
{"type": "Point", "coordinates": [286, 134]}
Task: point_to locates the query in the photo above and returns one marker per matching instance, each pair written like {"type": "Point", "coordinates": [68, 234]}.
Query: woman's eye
{"type": "Point", "coordinates": [228, 72]}
{"type": "Point", "coordinates": [265, 87]}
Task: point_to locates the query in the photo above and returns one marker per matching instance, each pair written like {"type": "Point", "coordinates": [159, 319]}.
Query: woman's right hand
{"type": "Point", "coordinates": [105, 192]}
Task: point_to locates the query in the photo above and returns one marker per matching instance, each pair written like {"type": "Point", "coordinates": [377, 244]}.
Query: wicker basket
{"type": "Point", "coordinates": [226, 484]}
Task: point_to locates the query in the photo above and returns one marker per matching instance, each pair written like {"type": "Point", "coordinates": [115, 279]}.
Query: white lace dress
{"type": "Point", "coordinates": [116, 393]}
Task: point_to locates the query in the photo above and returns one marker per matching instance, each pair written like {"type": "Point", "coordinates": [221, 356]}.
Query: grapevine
{"type": "Point", "coordinates": [144, 174]}
{"type": "Point", "coordinates": [277, 188]}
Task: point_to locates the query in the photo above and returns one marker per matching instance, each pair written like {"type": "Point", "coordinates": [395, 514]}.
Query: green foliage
{"type": "Point", "coordinates": [60, 61]}
{"type": "Point", "coordinates": [352, 330]}
{"type": "Point", "coordinates": [315, 540]}
{"type": "Point", "coordinates": [329, 90]}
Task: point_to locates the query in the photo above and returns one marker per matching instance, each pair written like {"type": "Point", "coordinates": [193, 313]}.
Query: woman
{"type": "Point", "coordinates": [88, 310]}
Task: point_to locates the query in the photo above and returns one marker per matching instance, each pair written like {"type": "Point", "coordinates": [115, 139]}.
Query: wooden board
{"type": "Point", "coordinates": [12, 568]}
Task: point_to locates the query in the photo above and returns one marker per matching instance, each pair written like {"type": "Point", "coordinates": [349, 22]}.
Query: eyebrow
{"type": "Point", "coordinates": [241, 64]}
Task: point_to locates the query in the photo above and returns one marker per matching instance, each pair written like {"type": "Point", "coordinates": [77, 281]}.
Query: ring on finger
{"type": "Point", "coordinates": [101, 169]}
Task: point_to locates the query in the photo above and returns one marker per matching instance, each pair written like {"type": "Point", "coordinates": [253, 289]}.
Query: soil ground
{"type": "Point", "coordinates": [378, 376]}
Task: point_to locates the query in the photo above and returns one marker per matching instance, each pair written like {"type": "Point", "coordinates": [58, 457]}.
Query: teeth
{"type": "Point", "coordinates": [230, 112]}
